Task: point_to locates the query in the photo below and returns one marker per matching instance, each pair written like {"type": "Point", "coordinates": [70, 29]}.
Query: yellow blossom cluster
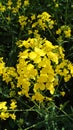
{"type": "Point", "coordinates": [44, 20]}
{"type": "Point", "coordinates": [8, 74]}
{"type": "Point", "coordinates": [65, 69]}
{"type": "Point", "coordinates": [34, 22]}
{"type": "Point", "coordinates": [39, 68]}
{"type": "Point", "coordinates": [64, 32]}
{"type": "Point", "coordinates": [13, 6]}
{"type": "Point", "coordinates": [6, 112]}
{"type": "Point", "coordinates": [22, 21]}
{"type": "Point", "coordinates": [33, 81]}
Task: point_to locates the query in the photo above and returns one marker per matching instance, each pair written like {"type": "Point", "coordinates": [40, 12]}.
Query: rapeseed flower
{"type": "Point", "coordinates": [4, 115]}
{"type": "Point", "coordinates": [2, 7]}
{"type": "Point", "coordinates": [13, 116]}
{"type": "Point", "coordinates": [3, 106]}
{"type": "Point", "coordinates": [64, 32]}
{"type": "Point", "coordinates": [9, 4]}
{"type": "Point", "coordinates": [26, 3]}
{"type": "Point", "coordinates": [38, 97]}
{"type": "Point", "coordinates": [39, 67]}
{"type": "Point", "coordinates": [13, 104]}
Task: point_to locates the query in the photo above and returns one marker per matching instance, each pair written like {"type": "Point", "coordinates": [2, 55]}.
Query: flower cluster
{"type": "Point", "coordinates": [36, 66]}
{"type": "Point", "coordinates": [6, 112]}
{"type": "Point", "coordinates": [32, 23]}
{"type": "Point", "coordinates": [9, 5]}
{"type": "Point", "coordinates": [45, 21]}
{"type": "Point", "coordinates": [41, 21]}
{"type": "Point", "coordinates": [63, 32]}
{"type": "Point", "coordinates": [39, 67]}
{"type": "Point", "coordinates": [38, 70]}
{"type": "Point", "coordinates": [2, 65]}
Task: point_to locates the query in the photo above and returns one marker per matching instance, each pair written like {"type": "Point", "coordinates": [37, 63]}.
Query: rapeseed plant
{"type": "Point", "coordinates": [35, 65]}
{"type": "Point", "coordinates": [39, 66]}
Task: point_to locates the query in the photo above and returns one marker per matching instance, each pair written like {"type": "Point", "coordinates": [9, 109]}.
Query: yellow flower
{"type": "Point", "coordinates": [33, 17]}
{"type": "Point", "coordinates": [8, 74]}
{"type": "Point", "coordinates": [62, 93]}
{"type": "Point", "coordinates": [42, 78]}
{"type": "Point", "coordinates": [56, 5]}
{"type": "Point", "coordinates": [18, 4]}
{"type": "Point", "coordinates": [8, 19]}
{"type": "Point", "coordinates": [14, 10]}
{"type": "Point", "coordinates": [13, 104]}
{"type": "Point", "coordinates": [30, 67]}
{"type": "Point", "coordinates": [24, 92]}
{"type": "Point", "coordinates": [48, 98]}
{"type": "Point", "coordinates": [43, 19]}
{"type": "Point", "coordinates": [38, 97]}
{"type": "Point", "coordinates": [29, 31]}
{"type": "Point", "coordinates": [4, 115]}
{"type": "Point", "coordinates": [67, 33]}
{"type": "Point", "coordinates": [9, 4]}
{"type": "Point", "coordinates": [2, 7]}
{"type": "Point", "coordinates": [54, 0]}
{"type": "Point", "coordinates": [70, 67]}
{"type": "Point", "coordinates": [32, 55]}
{"type": "Point", "coordinates": [61, 52]}
{"type": "Point", "coordinates": [58, 31]}
{"type": "Point", "coordinates": [37, 59]}
{"type": "Point", "coordinates": [2, 65]}
{"type": "Point", "coordinates": [38, 86]}
{"type": "Point", "coordinates": [53, 56]}
{"type": "Point", "coordinates": [34, 25]}
{"type": "Point", "coordinates": [13, 116]}
{"type": "Point", "coordinates": [26, 2]}
{"type": "Point", "coordinates": [22, 21]}
{"type": "Point", "coordinates": [39, 52]}
{"type": "Point", "coordinates": [3, 106]}
{"type": "Point", "coordinates": [50, 87]}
